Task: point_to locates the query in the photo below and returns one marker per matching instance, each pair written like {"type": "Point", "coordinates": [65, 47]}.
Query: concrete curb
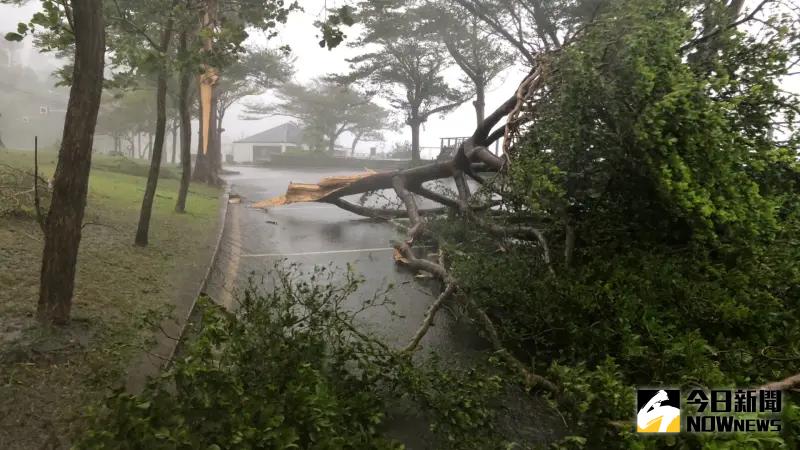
{"type": "Point", "coordinates": [204, 284]}
{"type": "Point", "coordinates": [154, 360]}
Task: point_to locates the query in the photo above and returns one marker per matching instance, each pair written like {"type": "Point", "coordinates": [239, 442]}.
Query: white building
{"type": "Point", "coordinates": [260, 147]}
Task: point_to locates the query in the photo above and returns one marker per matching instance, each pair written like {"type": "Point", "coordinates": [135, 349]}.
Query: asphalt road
{"type": "Point", "coordinates": [312, 234]}
{"type": "Point", "coordinates": [319, 234]}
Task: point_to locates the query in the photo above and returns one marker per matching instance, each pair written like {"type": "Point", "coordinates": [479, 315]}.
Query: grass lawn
{"type": "Point", "coordinates": [49, 376]}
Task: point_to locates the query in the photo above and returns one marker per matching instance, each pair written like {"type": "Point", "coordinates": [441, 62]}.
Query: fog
{"type": "Point", "coordinates": [29, 97]}
{"type": "Point", "coordinates": [299, 33]}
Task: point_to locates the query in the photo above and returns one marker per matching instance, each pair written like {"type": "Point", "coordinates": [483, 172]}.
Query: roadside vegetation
{"type": "Point", "coordinates": [643, 222]}
{"type": "Point", "coordinates": [290, 369]}
{"type": "Point", "coordinates": [48, 376]}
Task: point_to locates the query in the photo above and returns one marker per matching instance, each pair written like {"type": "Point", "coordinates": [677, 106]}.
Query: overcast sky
{"type": "Point", "coordinates": [312, 61]}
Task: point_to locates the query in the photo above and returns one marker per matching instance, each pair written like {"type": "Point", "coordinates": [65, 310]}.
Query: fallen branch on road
{"type": "Point", "coordinates": [471, 157]}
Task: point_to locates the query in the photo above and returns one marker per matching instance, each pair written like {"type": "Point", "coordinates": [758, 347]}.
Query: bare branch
{"type": "Point", "coordinates": [430, 314]}
{"type": "Point", "coordinates": [733, 24]}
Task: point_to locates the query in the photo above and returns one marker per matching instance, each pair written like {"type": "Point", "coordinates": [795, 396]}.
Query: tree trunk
{"type": "Point", "coordinates": [480, 102]}
{"type": "Point", "coordinates": [157, 149]}
{"type": "Point", "coordinates": [208, 162]}
{"type": "Point", "coordinates": [186, 127]}
{"type": "Point", "coordinates": [207, 166]}
{"type": "Point", "coordinates": [139, 140]}
{"type": "Point", "coordinates": [332, 144]}
{"type": "Point", "coordinates": [62, 228]}
{"type": "Point", "coordinates": [200, 158]}
{"type": "Point", "coordinates": [415, 155]}
{"type": "Point", "coordinates": [356, 138]}
{"type": "Point", "coordinates": [220, 130]}
{"type": "Point", "coordinates": [174, 141]}
{"type": "Point", "coordinates": [150, 144]}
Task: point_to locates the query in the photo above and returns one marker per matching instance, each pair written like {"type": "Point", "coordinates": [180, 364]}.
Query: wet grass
{"type": "Point", "coordinates": [49, 376]}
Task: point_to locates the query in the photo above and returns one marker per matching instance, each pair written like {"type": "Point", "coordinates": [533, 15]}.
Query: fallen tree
{"type": "Point", "coordinates": [624, 185]}
{"type": "Point", "coordinates": [471, 159]}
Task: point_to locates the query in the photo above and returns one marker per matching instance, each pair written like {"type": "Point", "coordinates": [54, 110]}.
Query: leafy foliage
{"type": "Point", "coordinates": [668, 167]}
{"type": "Point", "coordinates": [404, 63]}
{"type": "Point", "coordinates": [326, 111]}
{"type": "Point", "coordinates": [291, 370]}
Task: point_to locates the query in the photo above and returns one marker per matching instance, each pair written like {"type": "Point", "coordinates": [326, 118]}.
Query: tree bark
{"type": "Point", "coordinates": [220, 130]}
{"type": "Point", "coordinates": [186, 127]}
{"type": "Point", "coordinates": [157, 149]}
{"type": "Point", "coordinates": [415, 155]}
{"type": "Point", "coordinates": [207, 166]}
{"type": "Point", "coordinates": [174, 141]}
{"type": "Point", "coordinates": [209, 162]}
{"type": "Point", "coordinates": [480, 102]}
{"type": "Point", "coordinates": [332, 144]}
{"type": "Point", "coordinates": [150, 144]}
{"type": "Point", "coordinates": [62, 230]}
{"type": "Point", "coordinates": [356, 139]}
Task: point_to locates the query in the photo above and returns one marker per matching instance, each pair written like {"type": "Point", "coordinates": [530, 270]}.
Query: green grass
{"type": "Point", "coordinates": [48, 377]}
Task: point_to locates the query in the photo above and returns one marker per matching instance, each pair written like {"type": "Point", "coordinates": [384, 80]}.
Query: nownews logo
{"type": "Point", "coordinates": [659, 411]}
{"type": "Point", "coordinates": [717, 411]}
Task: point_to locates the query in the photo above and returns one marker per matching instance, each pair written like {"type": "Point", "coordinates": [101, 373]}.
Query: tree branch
{"type": "Point", "coordinates": [733, 24]}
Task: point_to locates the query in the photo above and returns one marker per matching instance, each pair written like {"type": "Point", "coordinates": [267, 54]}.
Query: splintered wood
{"type": "Point", "coordinates": [305, 192]}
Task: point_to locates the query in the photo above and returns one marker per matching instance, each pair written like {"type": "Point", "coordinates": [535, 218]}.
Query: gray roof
{"type": "Point", "coordinates": [285, 133]}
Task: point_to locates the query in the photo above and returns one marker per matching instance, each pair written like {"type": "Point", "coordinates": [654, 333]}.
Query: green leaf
{"type": "Point", "coordinates": [14, 37]}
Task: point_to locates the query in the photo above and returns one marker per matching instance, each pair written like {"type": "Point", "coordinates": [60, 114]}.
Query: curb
{"type": "Point", "coordinates": [155, 359]}
{"type": "Point", "coordinates": [204, 284]}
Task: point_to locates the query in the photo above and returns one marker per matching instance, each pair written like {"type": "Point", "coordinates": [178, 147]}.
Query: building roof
{"type": "Point", "coordinates": [285, 133]}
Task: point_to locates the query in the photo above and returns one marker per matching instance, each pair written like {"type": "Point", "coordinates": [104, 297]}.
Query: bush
{"type": "Point", "coordinates": [126, 166]}
{"type": "Point", "coordinates": [683, 206]}
{"type": "Point", "coordinates": [290, 370]}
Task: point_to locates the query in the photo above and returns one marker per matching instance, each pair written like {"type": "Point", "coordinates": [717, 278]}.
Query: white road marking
{"type": "Point", "coordinates": [329, 252]}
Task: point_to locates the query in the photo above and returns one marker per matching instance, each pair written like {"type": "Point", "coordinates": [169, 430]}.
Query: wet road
{"type": "Point", "coordinates": [319, 234]}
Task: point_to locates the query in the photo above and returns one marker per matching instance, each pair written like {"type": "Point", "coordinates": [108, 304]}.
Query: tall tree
{"type": "Point", "coordinates": [532, 27]}
{"type": "Point", "coordinates": [209, 155]}
{"type": "Point", "coordinates": [326, 110]}
{"type": "Point", "coordinates": [253, 73]}
{"type": "Point", "coordinates": [79, 24]}
{"type": "Point", "coordinates": [144, 25]}
{"type": "Point", "coordinates": [184, 112]}
{"type": "Point", "coordinates": [125, 112]}
{"type": "Point", "coordinates": [2, 145]}
{"type": "Point", "coordinates": [143, 228]}
{"type": "Point", "coordinates": [369, 124]}
{"type": "Point", "coordinates": [223, 31]}
{"type": "Point", "coordinates": [406, 67]}
{"type": "Point", "coordinates": [477, 53]}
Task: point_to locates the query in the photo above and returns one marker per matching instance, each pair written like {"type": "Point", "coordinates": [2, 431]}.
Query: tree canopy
{"type": "Point", "coordinates": [406, 66]}
{"type": "Point", "coordinates": [326, 110]}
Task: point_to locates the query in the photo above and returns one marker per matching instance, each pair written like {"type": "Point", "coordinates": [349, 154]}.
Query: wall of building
{"type": "Point", "coordinates": [242, 152]}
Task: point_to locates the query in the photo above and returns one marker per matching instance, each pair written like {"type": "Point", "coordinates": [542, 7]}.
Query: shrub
{"type": "Point", "coordinates": [291, 370]}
